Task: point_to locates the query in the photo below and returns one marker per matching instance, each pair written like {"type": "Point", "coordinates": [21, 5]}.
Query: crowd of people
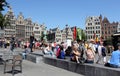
{"type": "Point", "coordinates": [79, 51]}
{"type": "Point", "coordinates": [84, 52]}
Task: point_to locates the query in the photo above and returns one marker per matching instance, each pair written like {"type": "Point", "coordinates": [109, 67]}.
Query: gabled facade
{"type": "Point", "coordinates": [108, 29]}
{"type": "Point", "coordinates": [28, 28]}
{"type": "Point", "coordinates": [21, 27]}
{"type": "Point", "coordinates": [57, 35]}
{"type": "Point", "coordinates": [37, 31]}
{"type": "Point", "coordinates": [96, 27]}
{"type": "Point", "coordinates": [93, 27]}
{"type": "Point", "coordinates": [10, 30]}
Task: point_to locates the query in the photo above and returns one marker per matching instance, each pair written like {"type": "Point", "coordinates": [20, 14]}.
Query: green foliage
{"type": "Point", "coordinates": [109, 41]}
{"type": "Point", "coordinates": [83, 35]}
{"type": "Point", "coordinates": [3, 4]}
{"type": "Point", "coordinates": [4, 21]}
{"type": "Point", "coordinates": [80, 34]}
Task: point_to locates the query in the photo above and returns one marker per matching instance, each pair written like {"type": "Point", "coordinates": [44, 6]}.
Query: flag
{"type": "Point", "coordinates": [74, 33]}
{"type": "Point", "coordinates": [79, 34]}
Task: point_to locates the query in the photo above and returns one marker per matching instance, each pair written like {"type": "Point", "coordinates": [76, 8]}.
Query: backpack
{"type": "Point", "coordinates": [62, 54]}
{"type": "Point", "coordinates": [58, 52]}
{"type": "Point", "coordinates": [103, 51]}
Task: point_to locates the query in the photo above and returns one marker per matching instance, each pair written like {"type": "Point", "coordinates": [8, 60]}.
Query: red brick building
{"type": "Point", "coordinates": [108, 28]}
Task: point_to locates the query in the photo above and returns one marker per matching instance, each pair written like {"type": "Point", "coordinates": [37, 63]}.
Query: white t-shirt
{"type": "Point", "coordinates": [100, 50]}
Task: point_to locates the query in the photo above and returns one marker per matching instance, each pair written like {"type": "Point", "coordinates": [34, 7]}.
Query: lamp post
{"type": "Point", "coordinates": [44, 34]}
{"type": "Point", "coordinates": [66, 31]}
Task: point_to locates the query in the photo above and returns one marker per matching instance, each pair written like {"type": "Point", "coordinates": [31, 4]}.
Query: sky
{"type": "Point", "coordinates": [58, 13]}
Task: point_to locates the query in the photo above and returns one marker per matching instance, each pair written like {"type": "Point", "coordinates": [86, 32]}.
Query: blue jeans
{"type": "Point", "coordinates": [114, 66]}
{"type": "Point", "coordinates": [12, 47]}
{"type": "Point", "coordinates": [89, 61]}
{"type": "Point", "coordinates": [24, 55]}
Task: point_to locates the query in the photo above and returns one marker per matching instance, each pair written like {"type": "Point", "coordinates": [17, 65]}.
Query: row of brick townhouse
{"type": "Point", "coordinates": [101, 28]}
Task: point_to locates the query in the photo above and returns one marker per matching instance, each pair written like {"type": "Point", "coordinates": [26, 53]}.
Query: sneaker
{"type": "Point", "coordinates": [78, 62]}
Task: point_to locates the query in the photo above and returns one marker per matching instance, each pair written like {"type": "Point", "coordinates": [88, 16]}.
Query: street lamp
{"type": "Point", "coordinates": [66, 31]}
{"type": "Point", "coordinates": [44, 34]}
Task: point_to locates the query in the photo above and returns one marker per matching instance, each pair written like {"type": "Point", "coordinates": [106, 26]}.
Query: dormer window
{"type": "Point", "coordinates": [36, 27]}
{"type": "Point", "coordinates": [105, 24]}
{"type": "Point", "coordinates": [91, 18]}
{"type": "Point", "coordinates": [20, 22]}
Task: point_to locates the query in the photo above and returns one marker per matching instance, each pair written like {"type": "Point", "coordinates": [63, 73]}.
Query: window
{"type": "Point", "coordinates": [113, 26]}
{"type": "Point", "coordinates": [105, 24]}
{"type": "Point", "coordinates": [102, 32]}
{"type": "Point", "coordinates": [98, 23]}
{"type": "Point", "coordinates": [36, 27]}
{"type": "Point", "coordinates": [89, 23]}
{"type": "Point", "coordinates": [95, 23]}
{"type": "Point", "coordinates": [91, 18]}
{"type": "Point", "coordinates": [99, 31]}
{"type": "Point", "coordinates": [105, 32]}
{"type": "Point", "coordinates": [109, 32]}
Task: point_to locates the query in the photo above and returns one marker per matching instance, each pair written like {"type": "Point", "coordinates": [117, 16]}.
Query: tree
{"type": "Point", "coordinates": [109, 41]}
{"type": "Point", "coordinates": [83, 35]}
{"type": "Point", "coordinates": [80, 34]}
{"type": "Point", "coordinates": [4, 21]}
{"type": "Point", "coordinates": [3, 4]}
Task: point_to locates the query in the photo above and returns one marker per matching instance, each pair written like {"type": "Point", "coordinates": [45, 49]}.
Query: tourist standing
{"type": "Point", "coordinates": [101, 53]}
{"type": "Point", "coordinates": [12, 43]}
{"type": "Point", "coordinates": [32, 42]}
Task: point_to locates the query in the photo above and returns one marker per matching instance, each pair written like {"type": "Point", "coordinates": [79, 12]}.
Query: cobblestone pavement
{"type": "Point", "coordinates": [41, 69]}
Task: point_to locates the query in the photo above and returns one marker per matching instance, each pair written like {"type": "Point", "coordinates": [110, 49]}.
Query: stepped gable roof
{"type": "Point", "coordinates": [54, 29]}
{"type": "Point", "coordinates": [105, 20]}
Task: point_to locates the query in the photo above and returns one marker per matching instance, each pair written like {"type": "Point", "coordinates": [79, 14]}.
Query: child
{"type": "Point", "coordinates": [25, 52]}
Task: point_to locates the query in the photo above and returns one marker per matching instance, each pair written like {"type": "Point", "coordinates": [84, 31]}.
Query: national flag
{"type": "Point", "coordinates": [74, 33]}
{"type": "Point", "coordinates": [79, 35]}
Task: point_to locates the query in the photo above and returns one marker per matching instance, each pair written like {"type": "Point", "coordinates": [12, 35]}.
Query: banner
{"type": "Point", "coordinates": [74, 33]}
{"type": "Point", "coordinates": [79, 34]}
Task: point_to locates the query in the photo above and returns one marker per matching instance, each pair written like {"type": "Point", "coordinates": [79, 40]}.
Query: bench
{"type": "Point", "coordinates": [84, 69]}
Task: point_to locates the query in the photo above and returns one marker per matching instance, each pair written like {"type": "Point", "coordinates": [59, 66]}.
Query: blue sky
{"type": "Point", "coordinates": [61, 12]}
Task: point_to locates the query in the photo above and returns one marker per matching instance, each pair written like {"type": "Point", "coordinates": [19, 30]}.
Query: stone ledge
{"type": "Point", "coordinates": [84, 69]}
{"type": "Point", "coordinates": [34, 58]}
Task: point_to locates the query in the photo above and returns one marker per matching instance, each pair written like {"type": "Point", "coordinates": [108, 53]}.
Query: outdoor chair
{"type": "Point", "coordinates": [13, 63]}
